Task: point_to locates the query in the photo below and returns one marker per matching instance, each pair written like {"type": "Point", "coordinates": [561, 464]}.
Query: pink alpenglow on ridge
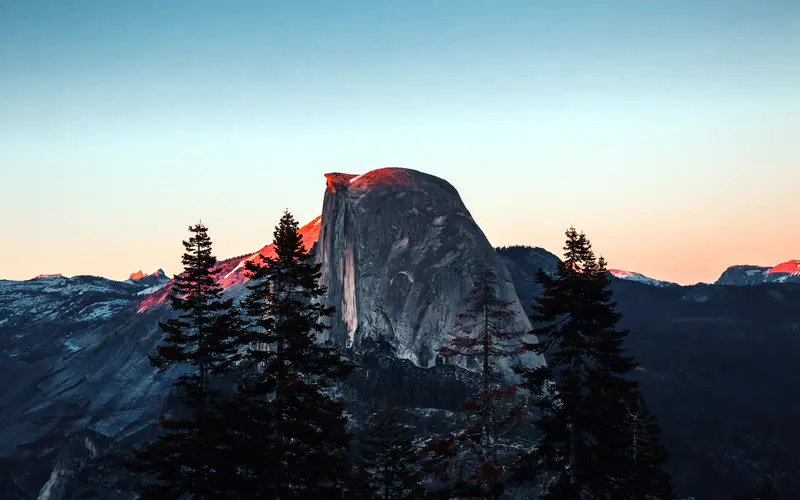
{"type": "Point", "coordinates": [137, 275]}
{"type": "Point", "coordinates": [382, 177]}
{"type": "Point", "coordinates": [236, 275]}
{"type": "Point", "coordinates": [788, 267]}
{"type": "Point", "coordinates": [232, 271]}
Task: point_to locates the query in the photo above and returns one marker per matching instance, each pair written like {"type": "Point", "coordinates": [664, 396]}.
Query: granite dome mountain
{"type": "Point", "coordinates": [397, 249]}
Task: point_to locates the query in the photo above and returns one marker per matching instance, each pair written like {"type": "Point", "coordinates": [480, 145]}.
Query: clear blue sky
{"type": "Point", "coordinates": [668, 131]}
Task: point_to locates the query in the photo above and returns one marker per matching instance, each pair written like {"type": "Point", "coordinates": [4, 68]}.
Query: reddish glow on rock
{"type": "Point", "coordinates": [232, 271]}
{"type": "Point", "coordinates": [139, 275]}
{"type": "Point", "coordinates": [234, 274]}
{"type": "Point", "coordinates": [619, 273]}
{"type": "Point", "coordinates": [338, 181]}
{"type": "Point", "coordinates": [789, 267]}
{"type": "Point", "coordinates": [382, 177]}
{"type": "Point", "coordinates": [156, 298]}
{"type": "Point", "coordinates": [309, 233]}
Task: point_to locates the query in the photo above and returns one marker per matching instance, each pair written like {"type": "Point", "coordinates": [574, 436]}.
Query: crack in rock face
{"type": "Point", "coordinates": [399, 252]}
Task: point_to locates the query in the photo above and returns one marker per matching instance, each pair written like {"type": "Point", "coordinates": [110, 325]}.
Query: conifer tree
{"type": "Point", "coordinates": [200, 342]}
{"type": "Point", "coordinates": [482, 335]}
{"type": "Point", "coordinates": [389, 457]}
{"type": "Point", "coordinates": [644, 476]}
{"type": "Point", "coordinates": [290, 433]}
{"type": "Point", "coordinates": [583, 392]}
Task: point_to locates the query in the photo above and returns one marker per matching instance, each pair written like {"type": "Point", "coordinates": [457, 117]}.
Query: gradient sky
{"type": "Point", "coordinates": [668, 131]}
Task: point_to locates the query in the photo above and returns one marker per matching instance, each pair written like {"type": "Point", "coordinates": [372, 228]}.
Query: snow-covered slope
{"type": "Point", "coordinates": [399, 250]}
{"type": "Point", "coordinates": [58, 298]}
{"type": "Point", "coordinates": [785, 272]}
{"type": "Point", "coordinates": [631, 276]}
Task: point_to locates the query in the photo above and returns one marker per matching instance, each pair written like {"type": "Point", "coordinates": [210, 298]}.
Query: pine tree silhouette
{"type": "Point", "coordinates": [200, 343]}
{"type": "Point", "coordinates": [644, 476]}
{"type": "Point", "coordinates": [288, 431]}
{"type": "Point", "coordinates": [583, 393]}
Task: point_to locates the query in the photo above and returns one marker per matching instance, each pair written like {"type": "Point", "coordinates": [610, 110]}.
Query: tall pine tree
{"type": "Point", "coordinates": [643, 475]}
{"type": "Point", "coordinates": [200, 342]}
{"type": "Point", "coordinates": [483, 337]}
{"type": "Point", "coordinates": [289, 432]}
{"type": "Point", "coordinates": [584, 395]}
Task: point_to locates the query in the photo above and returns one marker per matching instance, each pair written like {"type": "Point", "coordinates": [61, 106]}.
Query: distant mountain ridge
{"type": "Point", "coordinates": [641, 278]}
{"type": "Point", "coordinates": [139, 275]}
{"type": "Point", "coordinates": [396, 247]}
{"type": "Point", "coordinates": [785, 272]}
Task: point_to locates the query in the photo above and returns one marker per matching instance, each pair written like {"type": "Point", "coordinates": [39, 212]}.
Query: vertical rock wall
{"type": "Point", "coordinates": [399, 251]}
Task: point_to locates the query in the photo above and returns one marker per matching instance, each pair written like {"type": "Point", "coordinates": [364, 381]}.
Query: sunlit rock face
{"type": "Point", "coordinates": [399, 251]}
{"type": "Point", "coordinates": [785, 272]}
{"type": "Point", "coordinates": [231, 272]}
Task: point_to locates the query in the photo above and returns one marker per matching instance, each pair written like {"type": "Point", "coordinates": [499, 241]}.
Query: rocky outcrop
{"type": "Point", "coordinates": [785, 272]}
{"type": "Point", "coordinates": [399, 251]}
{"type": "Point", "coordinates": [139, 275]}
{"type": "Point", "coordinates": [743, 275]}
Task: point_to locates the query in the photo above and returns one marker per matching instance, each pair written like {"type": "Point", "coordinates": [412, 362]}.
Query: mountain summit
{"type": "Point", "coordinates": [641, 278]}
{"type": "Point", "coordinates": [138, 275]}
{"type": "Point", "coordinates": [399, 251]}
{"type": "Point", "coordinates": [785, 272]}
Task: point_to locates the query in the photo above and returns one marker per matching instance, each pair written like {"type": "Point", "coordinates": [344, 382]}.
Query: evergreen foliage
{"type": "Point", "coordinates": [289, 433]}
{"type": "Point", "coordinates": [483, 338]}
{"type": "Point", "coordinates": [583, 393]}
{"type": "Point", "coordinates": [200, 343]}
{"type": "Point", "coordinates": [644, 475]}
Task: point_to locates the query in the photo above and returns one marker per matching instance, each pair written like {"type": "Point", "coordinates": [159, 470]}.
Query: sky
{"type": "Point", "coordinates": [668, 131]}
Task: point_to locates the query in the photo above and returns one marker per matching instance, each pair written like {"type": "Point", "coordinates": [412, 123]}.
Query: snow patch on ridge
{"type": "Point", "coordinates": [148, 291]}
{"type": "Point", "coordinates": [240, 265]}
{"type": "Point", "coordinates": [640, 278]}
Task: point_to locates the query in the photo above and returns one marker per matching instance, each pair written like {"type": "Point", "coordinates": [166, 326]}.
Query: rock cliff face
{"type": "Point", "coordinates": [399, 251]}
